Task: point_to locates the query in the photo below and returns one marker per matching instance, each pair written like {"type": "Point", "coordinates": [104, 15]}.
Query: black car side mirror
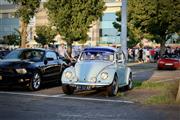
{"type": "Point", "coordinates": [48, 59]}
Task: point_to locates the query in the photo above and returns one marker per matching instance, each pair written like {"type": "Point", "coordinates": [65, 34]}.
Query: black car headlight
{"type": "Point", "coordinates": [21, 70]}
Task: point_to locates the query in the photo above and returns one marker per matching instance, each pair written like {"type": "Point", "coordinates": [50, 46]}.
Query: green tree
{"type": "Point", "coordinates": [134, 34]}
{"type": "Point", "coordinates": [160, 18]}
{"type": "Point", "coordinates": [25, 11]}
{"type": "Point", "coordinates": [45, 35]}
{"type": "Point", "coordinates": [11, 39]}
{"type": "Point", "coordinates": [73, 18]}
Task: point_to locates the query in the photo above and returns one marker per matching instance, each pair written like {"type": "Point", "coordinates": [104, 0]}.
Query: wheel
{"type": "Point", "coordinates": [112, 89]}
{"type": "Point", "coordinates": [130, 83]}
{"type": "Point", "coordinates": [35, 82]}
{"type": "Point", "coordinates": [67, 89]}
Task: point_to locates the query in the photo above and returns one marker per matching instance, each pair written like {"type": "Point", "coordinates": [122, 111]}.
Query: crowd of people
{"type": "Point", "coordinates": [150, 54]}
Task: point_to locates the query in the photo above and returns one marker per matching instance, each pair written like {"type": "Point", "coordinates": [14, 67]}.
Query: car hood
{"type": "Point", "coordinates": [14, 63]}
{"type": "Point", "coordinates": [87, 70]}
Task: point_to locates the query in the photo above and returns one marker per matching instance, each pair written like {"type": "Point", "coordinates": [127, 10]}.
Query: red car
{"type": "Point", "coordinates": [169, 62]}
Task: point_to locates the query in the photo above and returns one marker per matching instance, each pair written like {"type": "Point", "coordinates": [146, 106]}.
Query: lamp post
{"type": "Point", "coordinates": [124, 28]}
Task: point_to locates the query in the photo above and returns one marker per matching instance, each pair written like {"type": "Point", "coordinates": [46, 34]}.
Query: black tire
{"type": "Point", "coordinates": [130, 83]}
{"type": "Point", "coordinates": [112, 89]}
{"type": "Point", "coordinates": [67, 89]}
{"type": "Point", "coordinates": [35, 82]}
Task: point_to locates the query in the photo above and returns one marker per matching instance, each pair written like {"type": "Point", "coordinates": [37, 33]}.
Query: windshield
{"type": "Point", "coordinates": [32, 55]}
{"type": "Point", "coordinates": [171, 56]}
{"type": "Point", "coordinates": [99, 55]}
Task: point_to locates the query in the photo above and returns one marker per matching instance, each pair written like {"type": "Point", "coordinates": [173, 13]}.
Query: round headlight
{"type": "Point", "coordinates": [21, 71]}
{"type": "Point", "coordinates": [68, 75]}
{"type": "Point", "coordinates": [104, 75]}
{"type": "Point", "coordinates": [93, 80]}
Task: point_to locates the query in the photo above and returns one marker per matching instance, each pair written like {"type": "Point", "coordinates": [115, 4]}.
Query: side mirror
{"type": "Point", "coordinates": [48, 59]}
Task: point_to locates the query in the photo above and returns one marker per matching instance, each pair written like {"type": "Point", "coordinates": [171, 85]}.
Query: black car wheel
{"type": "Point", "coordinates": [35, 82]}
{"type": "Point", "coordinates": [67, 89]}
{"type": "Point", "coordinates": [112, 89]}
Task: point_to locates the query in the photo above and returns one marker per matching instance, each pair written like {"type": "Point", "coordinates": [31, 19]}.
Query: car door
{"type": "Point", "coordinates": [53, 66]}
{"type": "Point", "coordinates": [121, 68]}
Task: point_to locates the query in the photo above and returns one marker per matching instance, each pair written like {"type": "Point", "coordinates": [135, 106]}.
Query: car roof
{"type": "Point", "coordinates": [100, 48]}
{"type": "Point", "coordinates": [43, 49]}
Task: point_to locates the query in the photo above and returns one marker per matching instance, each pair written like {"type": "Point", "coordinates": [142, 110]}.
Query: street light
{"type": "Point", "coordinates": [124, 28]}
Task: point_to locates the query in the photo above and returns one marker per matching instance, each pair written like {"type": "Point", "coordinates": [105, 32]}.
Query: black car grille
{"type": "Point", "coordinates": [6, 71]}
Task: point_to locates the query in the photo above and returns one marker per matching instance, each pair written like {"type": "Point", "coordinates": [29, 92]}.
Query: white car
{"type": "Point", "coordinates": [98, 67]}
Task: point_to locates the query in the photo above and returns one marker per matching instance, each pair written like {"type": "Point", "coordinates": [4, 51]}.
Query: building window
{"type": "Point", "coordinates": [5, 15]}
{"type": "Point", "coordinates": [107, 31]}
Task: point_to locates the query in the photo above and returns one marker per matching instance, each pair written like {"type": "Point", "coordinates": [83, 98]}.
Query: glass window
{"type": "Point", "coordinates": [107, 24]}
{"type": "Point", "coordinates": [97, 55]}
{"type": "Point", "coordinates": [5, 15]}
{"type": "Point", "coordinates": [51, 55]}
{"type": "Point", "coordinates": [109, 17]}
{"type": "Point", "coordinates": [109, 32]}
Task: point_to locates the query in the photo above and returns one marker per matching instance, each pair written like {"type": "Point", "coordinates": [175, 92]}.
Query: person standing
{"type": "Point", "coordinates": [141, 55]}
{"type": "Point", "coordinates": [62, 51]}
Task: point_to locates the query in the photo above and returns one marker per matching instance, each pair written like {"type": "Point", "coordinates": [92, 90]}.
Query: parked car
{"type": "Point", "coordinates": [3, 53]}
{"type": "Point", "coordinates": [31, 67]}
{"type": "Point", "coordinates": [98, 67]}
{"type": "Point", "coordinates": [169, 62]}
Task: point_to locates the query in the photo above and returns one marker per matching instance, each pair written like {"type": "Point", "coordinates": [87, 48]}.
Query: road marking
{"type": "Point", "coordinates": [66, 97]}
{"type": "Point", "coordinates": [96, 99]}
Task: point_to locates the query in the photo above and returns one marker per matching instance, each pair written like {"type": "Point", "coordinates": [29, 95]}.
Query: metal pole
{"type": "Point", "coordinates": [124, 28]}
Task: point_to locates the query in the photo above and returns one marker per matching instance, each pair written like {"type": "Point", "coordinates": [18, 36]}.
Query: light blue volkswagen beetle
{"type": "Point", "coordinates": [98, 67]}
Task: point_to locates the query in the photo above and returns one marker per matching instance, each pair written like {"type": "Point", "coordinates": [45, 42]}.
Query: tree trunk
{"type": "Point", "coordinates": [162, 47]}
{"type": "Point", "coordinates": [23, 33]}
{"type": "Point", "coordinates": [69, 49]}
{"type": "Point", "coordinates": [178, 94]}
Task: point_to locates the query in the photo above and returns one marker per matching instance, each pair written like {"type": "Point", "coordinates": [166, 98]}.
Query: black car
{"type": "Point", "coordinates": [3, 53]}
{"type": "Point", "coordinates": [31, 67]}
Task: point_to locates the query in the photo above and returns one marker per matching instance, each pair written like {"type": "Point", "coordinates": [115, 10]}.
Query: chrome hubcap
{"type": "Point", "coordinates": [36, 81]}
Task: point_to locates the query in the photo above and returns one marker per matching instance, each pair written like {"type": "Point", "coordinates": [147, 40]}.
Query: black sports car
{"type": "Point", "coordinates": [30, 67]}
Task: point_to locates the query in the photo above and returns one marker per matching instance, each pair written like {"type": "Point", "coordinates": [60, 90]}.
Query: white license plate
{"type": "Point", "coordinates": [168, 64]}
{"type": "Point", "coordinates": [0, 77]}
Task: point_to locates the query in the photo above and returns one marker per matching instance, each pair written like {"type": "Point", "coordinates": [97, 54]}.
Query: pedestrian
{"type": "Point", "coordinates": [141, 55]}
{"type": "Point", "coordinates": [62, 51]}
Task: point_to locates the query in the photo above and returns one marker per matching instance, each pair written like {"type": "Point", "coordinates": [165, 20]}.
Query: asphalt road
{"type": "Point", "coordinates": [30, 107]}
{"type": "Point", "coordinates": [50, 103]}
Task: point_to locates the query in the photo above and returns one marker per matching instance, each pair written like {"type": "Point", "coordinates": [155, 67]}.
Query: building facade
{"type": "Point", "coordinates": [9, 23]}
{"type": "Point", "coordinates": [108, 34]}
{"type": "Point", "coordinates": [101, 32]}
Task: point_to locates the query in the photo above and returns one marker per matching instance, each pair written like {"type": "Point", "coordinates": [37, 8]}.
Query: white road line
{"type": "Point", "coordinates": [96, 99]}
{"type": "Point", "coordinates": [66, 97]}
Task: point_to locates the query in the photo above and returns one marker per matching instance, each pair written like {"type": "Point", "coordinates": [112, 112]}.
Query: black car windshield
{"type": "Point", "coordinates": [97, 55]}
{"type": "Point", "coordinates": [32, 55]}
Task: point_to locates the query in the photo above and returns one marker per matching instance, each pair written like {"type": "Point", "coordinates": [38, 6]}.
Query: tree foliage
{"type": "Point", "coordinates": [11, 39]}
{"type": "Point", "coordinates": [73, 18]}
{"type": "Point", "coordinates": [156, 17]}
{"type": "Point", "coordinates": [25, 11]}
{"type": "Point", "coordinates": [134, 34]}
{"type": "Point", "coordinates": [45, 35]}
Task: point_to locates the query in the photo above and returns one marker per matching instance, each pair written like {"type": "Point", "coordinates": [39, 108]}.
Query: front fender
{"type": "Point", "coordinates": [128, 74]}
{"type": "Point", "coordinates": [66, 80]}
{"type": "Point", "coordinates": [111, 72]}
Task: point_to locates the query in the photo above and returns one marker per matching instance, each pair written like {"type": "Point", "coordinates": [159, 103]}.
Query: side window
{"type": "Point", "coordinates": [51, 55]}
{"type": "Point", "coordinates": [118, 56]}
